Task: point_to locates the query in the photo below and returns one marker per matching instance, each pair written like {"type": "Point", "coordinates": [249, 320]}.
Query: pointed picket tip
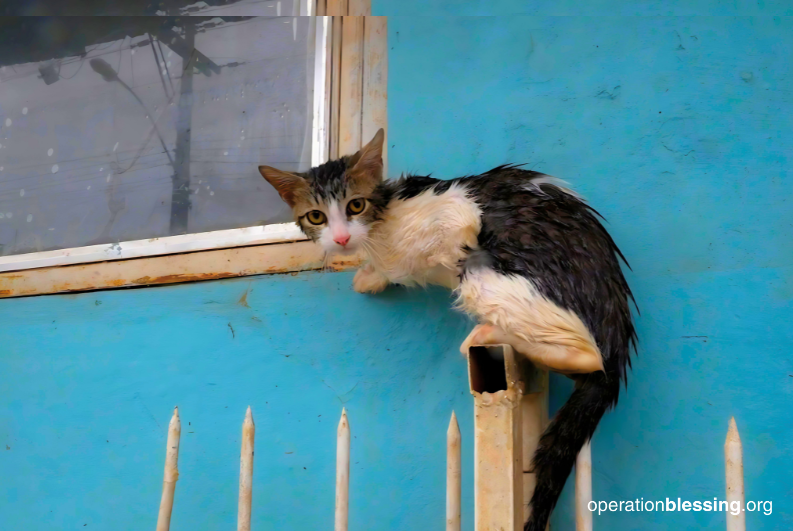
{"type": "Point", "coordinates": [454, 427]}
{"type": "Point", "coordinates": [343, 422]}
{"type": "Point", "coordinates": [175, 418]}
{"type": "Point", "coordinates": [453, 475]}
{"type": "Point", "coordinates": [249, 416]}
{"type": "Point", "coordinates": [732, 433]}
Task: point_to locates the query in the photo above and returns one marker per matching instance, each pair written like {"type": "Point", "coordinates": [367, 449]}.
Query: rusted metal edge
{"type": "Point", "coordinates": [171, 269]}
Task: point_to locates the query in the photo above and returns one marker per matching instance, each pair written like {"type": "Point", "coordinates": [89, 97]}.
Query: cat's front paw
{"type": "Point", "coordinates": [367, 280]}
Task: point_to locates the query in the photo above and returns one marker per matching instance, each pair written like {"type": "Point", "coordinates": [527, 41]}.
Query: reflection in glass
{"type": "Point", "coordinates": [116, 129]}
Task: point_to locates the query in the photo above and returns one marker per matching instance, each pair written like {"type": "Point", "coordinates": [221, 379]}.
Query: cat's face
{"type": "Point", "coordinates": [336, 203]}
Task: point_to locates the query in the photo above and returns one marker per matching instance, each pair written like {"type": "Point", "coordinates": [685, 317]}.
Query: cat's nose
{"type": "Point", "coordinates": [342, 240]}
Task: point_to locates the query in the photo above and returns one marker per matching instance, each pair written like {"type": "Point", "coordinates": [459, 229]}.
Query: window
{"type": "Point", "coordinates": [156, 125]}
{"type": "Point", "coordinates": [121, 129]}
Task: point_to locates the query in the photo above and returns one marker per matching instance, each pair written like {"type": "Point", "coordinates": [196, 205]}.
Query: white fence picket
{"type": "Point", "coordinates": [733, 465]}
{"type": "Point", "coordinates": [342, 473]}
{"type": "Point", "coordinates": [583, 488]}
{"type": "Point", "coordinates": [171, 472]}
{"type": "Point", "coordinates": [453, 475]}
{"type": "Point", "coordinates": [246, 473]}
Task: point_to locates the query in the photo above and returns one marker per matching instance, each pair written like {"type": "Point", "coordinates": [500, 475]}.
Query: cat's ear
{"type": "Point", "coordinates": [366, 166]}
{"type": "Point", "coordinates": [290, 186]}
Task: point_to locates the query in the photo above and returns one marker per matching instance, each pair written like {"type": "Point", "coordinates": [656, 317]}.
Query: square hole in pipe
{"type": "Point", "coordinates": [486, 368]}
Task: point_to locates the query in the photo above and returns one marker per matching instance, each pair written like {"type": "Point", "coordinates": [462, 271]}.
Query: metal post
{"type": "Point", "coordinates": [499, 380]}
{"type": "Point", "coordinates": [535, 420]}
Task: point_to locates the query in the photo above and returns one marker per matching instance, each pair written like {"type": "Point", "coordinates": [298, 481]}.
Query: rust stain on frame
{"type": "Point", "coordinates": [171, 279]}
{"type": "Point", "coordinates": [170, 269]}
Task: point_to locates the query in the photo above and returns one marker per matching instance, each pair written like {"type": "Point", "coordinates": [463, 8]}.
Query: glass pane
{"type": "Point", "coordinates": [125, 128]}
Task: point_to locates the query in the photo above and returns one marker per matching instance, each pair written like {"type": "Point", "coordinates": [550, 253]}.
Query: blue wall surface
{"type": "Point", "coordinates": [679, 131]}
{"type": "Point", "coordinates": [88, 383]}
{"type": "Point", "coordinates": [551, 8]}
{"type": "Point", "coordinates": [676, 129]}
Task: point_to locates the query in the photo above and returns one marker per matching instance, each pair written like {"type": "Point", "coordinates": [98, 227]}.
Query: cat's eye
{"type": "Point", "coordinates": [315, 217]}
{"type": "Point", "coordinates": [356, 206]}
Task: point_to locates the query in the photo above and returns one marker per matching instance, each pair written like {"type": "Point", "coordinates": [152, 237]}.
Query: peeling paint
{"type": "Point", "coordinates": [244, 299]}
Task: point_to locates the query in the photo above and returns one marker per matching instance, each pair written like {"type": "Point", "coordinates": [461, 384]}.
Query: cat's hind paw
{"type": "Point", "coordinates": [483, 334]}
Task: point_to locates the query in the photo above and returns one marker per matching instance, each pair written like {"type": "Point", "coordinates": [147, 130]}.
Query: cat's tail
{"type": "Point", "coordinates": [559, 445]}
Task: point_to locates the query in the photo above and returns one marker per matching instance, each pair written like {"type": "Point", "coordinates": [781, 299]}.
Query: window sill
{"type": "Point", "coordinates": [202, 241]}
{"type": "Point", "coordinates": [214, 264]}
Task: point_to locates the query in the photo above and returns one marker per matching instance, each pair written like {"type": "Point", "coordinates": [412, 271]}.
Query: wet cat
{"type": "Point", "coordinates": [527, 258]}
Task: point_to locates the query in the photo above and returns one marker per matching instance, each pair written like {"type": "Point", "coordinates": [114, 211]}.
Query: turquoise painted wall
{"type": "Point", "coordinates": [677, 129]}
{"type": "Point", "coordinates": [551, 8]}
{"type": "Point", "coordinates": [88, 383]}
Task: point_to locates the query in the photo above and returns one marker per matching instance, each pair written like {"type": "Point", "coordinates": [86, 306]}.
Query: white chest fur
{"type": "Point", "coordinates": [421, 240]}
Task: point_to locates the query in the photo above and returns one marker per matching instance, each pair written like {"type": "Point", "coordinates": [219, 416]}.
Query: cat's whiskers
{"type": "Point", "coordinates": [327, 259]}
{"type": "Point", "coordinates": [370, 246]}
{"type": "Point", "coordinates": [369, 251]}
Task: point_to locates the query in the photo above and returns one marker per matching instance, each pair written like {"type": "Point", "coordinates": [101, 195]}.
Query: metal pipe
{"type": "Point", "coordinates": [498, 381]}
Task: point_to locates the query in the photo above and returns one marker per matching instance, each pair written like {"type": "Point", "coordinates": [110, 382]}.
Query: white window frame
{"type": "Point", "coordinates": [202, 241]}
{"type": "Point", "coordinates": [350, 104]}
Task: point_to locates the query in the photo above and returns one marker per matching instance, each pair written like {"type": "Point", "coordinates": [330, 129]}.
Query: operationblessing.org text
{"type": "Point", "coordinates": [642, 505]}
